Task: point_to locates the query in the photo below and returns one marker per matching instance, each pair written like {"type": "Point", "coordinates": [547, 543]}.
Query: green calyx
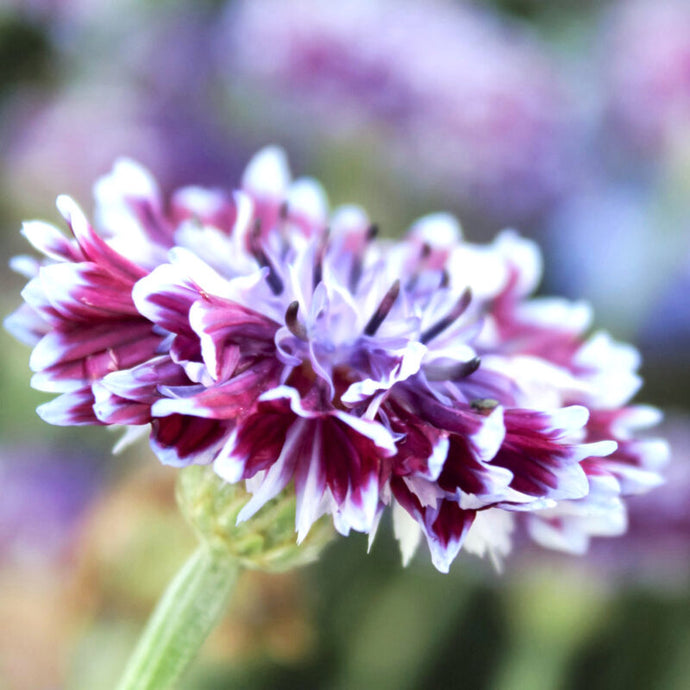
{"type": "Point", "coordinates": [266, 541]}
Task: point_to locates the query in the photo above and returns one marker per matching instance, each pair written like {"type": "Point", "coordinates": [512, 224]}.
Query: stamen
{"type": "Point", "coordinates": [445, 279]}
{"type": "Point", "coordinates": [383, 309]}
{"type": "Point", "coordinates": [356, 270]}
{"type": "Point", "coordinates": [424, 253]}
{"type": "Point", "coordinates": [466, 368]}
{"type": "Point", "coordinates": [456, 312]}
{"type": "Point", "coordinates": [273, 279]}
{"type": "Point", "coordinates": [452, 373]}
{"type": "Point", "coordinates": [295, 326]}
{"type": "Point", "coordinates": [319, 256]}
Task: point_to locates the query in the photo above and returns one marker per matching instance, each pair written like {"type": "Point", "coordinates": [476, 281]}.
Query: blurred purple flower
{"type": "Point", "coordinates": [286, 344]}
{"type": "Point", "coordinates": [75, 127]}
{"type": "Point", "coordinates": [665, 333]}
{"type": "Point", "coordinates": [648, 59]}
{"type": "Point", "coordinates": [463, 101]}
{"type": "Point", "coordinates": [159, 105]}
{"type": "Point", "coordinates": [605, 243]}
{"type": "Point", "coordinates": [44, 496]}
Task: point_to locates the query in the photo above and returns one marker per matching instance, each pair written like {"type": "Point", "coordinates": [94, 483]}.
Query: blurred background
{"type": "Point", "coordinates": [568, 121]}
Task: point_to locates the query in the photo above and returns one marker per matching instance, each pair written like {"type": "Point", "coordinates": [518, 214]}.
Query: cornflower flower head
{"type": "Point", "coordinates": [292, 349]}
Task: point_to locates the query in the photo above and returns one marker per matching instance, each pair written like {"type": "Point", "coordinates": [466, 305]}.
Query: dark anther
{"type": "Point", "coordinates": [318, 270]}
{"type": "Point", "coordinates": [424, 253]}
{"type": "Point", "coordinates": [383, 309]}
{"type": "Point", "coordinates": [319, 256]}
{"type": "Point", "coordinates": [372, 232]}
{"type": "Point", "coordinates": [273, 279]}
{"type": "Point", "coordinates": [445, 279]}
{"type": "Point", "coordinates": [283, 211]}
{"type": "Point", "coordinates": [455, 313]}
{"type": "Point", "coordinates": [291, 321]}
{"type": "Point", "coordinates": [452, 373]}
{"type": "Point", "coordinates": [484, 405]}
{"type": "Point", "coordinates": [467, 368]}
{"type": "Point", "coordinates": [356, 270]}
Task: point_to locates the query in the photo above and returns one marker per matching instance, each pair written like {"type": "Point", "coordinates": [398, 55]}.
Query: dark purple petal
{"type": "Point", "coordinates": [422, 448]}
{"type": "Point", "coordinates": [537, 450]}
{"type": "Point", "coordinates": [445, 524]}
{"type": "Point", "coordinates": [465, 472]}
{"type": "Point", "coordinates": [483, 429]}
{"type": "Point", "coordinates": [181, 440]}
{"type": "Point", "coordinates": [260, 437]}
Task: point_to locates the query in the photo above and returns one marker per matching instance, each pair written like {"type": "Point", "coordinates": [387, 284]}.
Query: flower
{"type": "Point", "coordinates": [455, 97]}
{"type": "Point", "coordinates": [290, 347]}
{"type": "Point", "coordinates": [647, 52]}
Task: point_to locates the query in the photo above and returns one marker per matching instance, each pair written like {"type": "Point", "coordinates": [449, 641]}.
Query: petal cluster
{"type": "Point", "coordinates": [290, 347]}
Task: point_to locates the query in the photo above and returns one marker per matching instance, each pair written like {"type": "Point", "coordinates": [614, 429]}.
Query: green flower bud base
{"type": "Point", "coordinates": [197, 597]}
{"type": "Point", "coordinates": [267, 541]}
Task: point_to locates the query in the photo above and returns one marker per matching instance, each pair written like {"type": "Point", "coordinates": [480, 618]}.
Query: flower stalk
{"type": "Point", "coordinates": [198, 595]}
{"type": "Point", "coordinates": [185, 615]}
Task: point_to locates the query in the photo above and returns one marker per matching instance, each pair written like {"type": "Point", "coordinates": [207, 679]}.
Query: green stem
{"type": "Point", "coordinates": [185, 615]}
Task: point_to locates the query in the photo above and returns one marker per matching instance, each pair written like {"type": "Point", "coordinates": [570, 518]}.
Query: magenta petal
{"type": "Point", "coordinates": [26, 325]}
{"type": "Point", "coordinates": [86, 291]}
{"type": "Point", "coordinates": [70, 409]}
{"type": "Point", "coordinates": [51, 242]}
{"type": "Point", "coordinates": [223, 326]}
{"type": "Point", "coordinates": [142, 383]}
{"type": "Point", "coordinates": [483, 430]}
{"type": "Point", "coordinates": [34, 294]}
{"type": "Point", "coordinates": [90, 352]}
{"type": "Point", "coordinates": [310, 478]}
{"type": "Point", "coordinates": [446, 528]}
{"type": "Point", "coordinates": [94, 247]}
{"type": "Point", "coordinates": [112, 409]}
{"type": "Point", "coordinates": [125, 342]}
{"type": "Point", "coordinates": [205, 206]}
{"type": "Point", "coordinates": [278, 474]}
{"type": "Point", "coordinates": [229, 400]}
{"type": "Point", "coordinates": [165, 297]}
